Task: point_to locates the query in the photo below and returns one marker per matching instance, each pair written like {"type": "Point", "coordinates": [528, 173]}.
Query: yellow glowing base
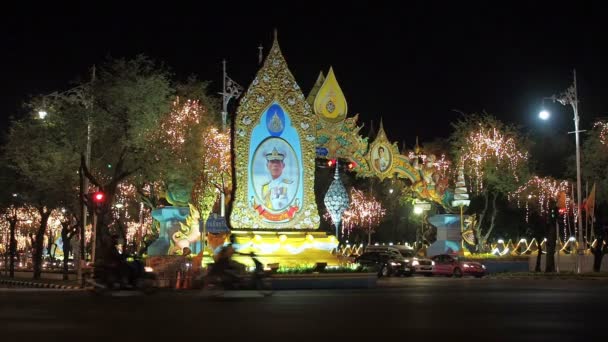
{"type": "Point", "coordinates": [286, 248]}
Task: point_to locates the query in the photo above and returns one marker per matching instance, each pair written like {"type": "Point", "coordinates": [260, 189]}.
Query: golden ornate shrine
{"type": "Point", "coordinates": [277, 136]}
{"type": "Point", "coordinates": [338, 137]}
{"type": "Point", "coordinates": [274, 211]}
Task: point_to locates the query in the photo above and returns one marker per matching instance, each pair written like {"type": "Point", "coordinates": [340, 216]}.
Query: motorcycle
{"type": "Point", "coordinates": [215, 283]}
{"type": "Point", "coordinates": [133, 276]}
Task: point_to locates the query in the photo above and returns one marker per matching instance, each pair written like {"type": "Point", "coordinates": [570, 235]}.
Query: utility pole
{"type": "Point", "coordinates": [230, 90]}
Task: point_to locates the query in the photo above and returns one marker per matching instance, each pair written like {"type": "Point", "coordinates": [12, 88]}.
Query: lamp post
{"type": "Point", "coordinates": [420, 208]}
{"type": "Point", "coordinates": [78, 94]}
{"type": "Point", "coordinates": [230, 90]}
{"type": "Point", "coordinates": [570, 97]}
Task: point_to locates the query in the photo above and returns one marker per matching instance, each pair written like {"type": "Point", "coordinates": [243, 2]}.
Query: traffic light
{"type": "Point", "coordinates": [331, 162]}
{"type": "Point", "coordinates": [99, 197]}
{"type": "Point", "coordinates": [95, 200]}
{"type": "Point", "coordinates": [351, 165]}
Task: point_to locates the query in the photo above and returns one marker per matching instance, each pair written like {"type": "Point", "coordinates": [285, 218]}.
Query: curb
{"type": "Point", "coordinates": [38, 285]}
{"type": "Point", "coordinates": [550, 278]}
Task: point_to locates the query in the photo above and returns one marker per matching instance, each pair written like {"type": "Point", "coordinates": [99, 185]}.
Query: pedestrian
{"type": "Point", "coordinates": [185, 269]}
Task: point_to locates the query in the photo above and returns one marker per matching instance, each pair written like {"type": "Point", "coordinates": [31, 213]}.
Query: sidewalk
{"type": "Point", "coordinates": [40, 283]}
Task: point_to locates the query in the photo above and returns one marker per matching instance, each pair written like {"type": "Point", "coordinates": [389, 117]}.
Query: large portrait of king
{"type": "Point", "coordinates": [275, 173]}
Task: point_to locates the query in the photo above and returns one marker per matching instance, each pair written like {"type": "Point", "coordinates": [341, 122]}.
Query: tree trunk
{"type": "Point", "coordinates": [67, 246]}
{"type": "Point", "coordinates": [38, 243]}
{"type": "Point", "coordinates": [538, 258]}
{"type": "Point", "coordinates": [598, 254]}
{"type": "Point", "coordinates": [493, 220]}
{"type": "Point", "coordinates": [12, 248]}
{"type": "Point", "coordinates": [551, 241]}
{"type": "Point", "coordinates": [369, 237]}
{"type": "Point", "coordinates": [479, 237]}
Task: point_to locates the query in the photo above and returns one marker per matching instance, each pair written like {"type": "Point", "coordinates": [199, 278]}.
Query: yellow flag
{"type": "Point", "coordinates": [561, 200]}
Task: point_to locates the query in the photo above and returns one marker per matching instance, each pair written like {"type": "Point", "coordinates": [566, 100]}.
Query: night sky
{"type": "Point", "coordinates": [412, 65]}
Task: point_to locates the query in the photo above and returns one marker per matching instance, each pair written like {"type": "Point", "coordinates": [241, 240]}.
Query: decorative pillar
{"type": "Point", "coordinates": [336, 200]}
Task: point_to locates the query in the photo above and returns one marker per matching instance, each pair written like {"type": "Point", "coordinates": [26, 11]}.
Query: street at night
{"type": "Point", "coordinates": [433, 308]}
{"type": "Point", "coordinates": [347, 171]}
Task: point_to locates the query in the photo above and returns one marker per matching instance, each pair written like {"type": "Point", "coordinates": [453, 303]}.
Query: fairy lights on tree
{"type": "Point", "coordinates": [364, 212]}
{"type": "Point", "coordinates": [215, 178]}
{"type": "Point", "coordinates": [488, 149]}
{"type": "Point", "coordinates": [603, 128]}
{"type": "Point", "coordinates": [175, 127]}
{"type": "Point", "coordinates": [494, 157]}
{"type": "Point", "coordinates": [539, 192]}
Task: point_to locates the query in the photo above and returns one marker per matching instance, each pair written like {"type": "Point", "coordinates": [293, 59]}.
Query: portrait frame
{"type": "Point", "coordinates": [274, 85]}
{"type": "Point", "coordinates": [390, 150]}
{"type": "Point", "coordinates": [260, 174]}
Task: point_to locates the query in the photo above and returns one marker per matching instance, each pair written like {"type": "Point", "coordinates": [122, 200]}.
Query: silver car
{"type": "Point", "coordinates": [421, 265]}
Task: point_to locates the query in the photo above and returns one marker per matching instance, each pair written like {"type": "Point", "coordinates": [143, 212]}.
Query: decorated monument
{"type": "Point", "coordinates": [277, 135]}
{"type": "Point", "coordinates": [274, 212]}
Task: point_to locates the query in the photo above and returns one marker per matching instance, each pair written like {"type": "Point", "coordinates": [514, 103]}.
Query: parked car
{"type": "Point", "coordinates": [386, 264]}
{"type": "Point", "coordinates": [449, 265]}
{"type": "Point", "coordinates": [420, 265]}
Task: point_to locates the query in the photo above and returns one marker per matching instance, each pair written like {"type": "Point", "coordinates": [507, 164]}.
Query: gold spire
{"type": "Point", "coordinates": [315, 89]}
{"type": "Point", "coordinates": [330, 103]}
{"type": "Point", "coordinates": [274, 84]}
{"type": "Point", "coordinates": [417, 148]}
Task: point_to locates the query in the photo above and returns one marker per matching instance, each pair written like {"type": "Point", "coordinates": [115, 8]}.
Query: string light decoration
{"type": "Point", "coordinates": [488, 146]}
{"type": "Point", "coordinates": [136, 230]}
{"type": "Point", "coordinates": [53, 229]}
{"type": "Point", "coordinates": [538, 192]}
{"type": "Point", "coordinates": [603, 127]}
{"type": "Point", "coordinates": [175, 126]}
{"type": "Point", "coordinates": [124, 199]}
{"type": "Point", "coordinates": [364, 212]}
{"type": "Point", "coordinates": [216, 156]}
{"type": "Point", "coordinates": [541, 191]}
{"type": "Point", "coordinates": [216, 177]}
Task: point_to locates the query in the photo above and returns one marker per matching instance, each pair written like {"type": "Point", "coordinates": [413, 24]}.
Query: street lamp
{"type": "Point", "coordinates": [420, 208]}
{"type": "Point", "coordinates": [544, 115]}
{"type": "Point", "coordinates": [570, 97]}
{"type": "Point", "coordinates": [78, 94]}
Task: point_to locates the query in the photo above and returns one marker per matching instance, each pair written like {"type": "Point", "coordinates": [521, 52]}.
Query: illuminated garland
{"type": "Point", "coordinates": [489, 145]}
{"type": "Point", "coordinates": [174, 127]}
{"type": "Point", "coordinates": [541, 191]}
{"type": "Point", "coordinates": [217, 170]}
{"type": "Point", "coordinates": [603, 131]}
{"type": "Point", "coordinates": [364, 212]}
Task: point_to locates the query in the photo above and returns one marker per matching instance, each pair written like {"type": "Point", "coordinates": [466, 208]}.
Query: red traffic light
{"type": "Point", "coordinates": [351, 165]}
{"type": "Point", "coordinates": [331, 162]}
{"type": "Point", "coordinates": [99, 197]}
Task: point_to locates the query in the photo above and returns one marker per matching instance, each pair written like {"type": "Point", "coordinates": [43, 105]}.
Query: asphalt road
{"type": "Point", "coordinates": [436, 309]}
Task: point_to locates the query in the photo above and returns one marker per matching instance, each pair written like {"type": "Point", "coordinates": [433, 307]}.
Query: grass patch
{"type": "Point", "coordinates": [310, 269]}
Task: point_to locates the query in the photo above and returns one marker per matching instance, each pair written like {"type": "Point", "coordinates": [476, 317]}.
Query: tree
{"type": "Point", "coordinates": [594, 163]}
{"type": "Point", "coordinates": [364, 212]}
{"type": "Point", "coordinates": [36, 151]}
{"type": "Point", "coordinates": [143, 135]}
{"type": "Point", "coordinates": [540, 196]}
{"type": "Point", "coordinates": [495, 161]}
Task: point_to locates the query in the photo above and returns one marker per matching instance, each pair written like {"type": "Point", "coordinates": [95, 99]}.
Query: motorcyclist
{"type": "Point", "coordinates": [116, 263]}
{"type": "Point", "coordinates": [223, 266]}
